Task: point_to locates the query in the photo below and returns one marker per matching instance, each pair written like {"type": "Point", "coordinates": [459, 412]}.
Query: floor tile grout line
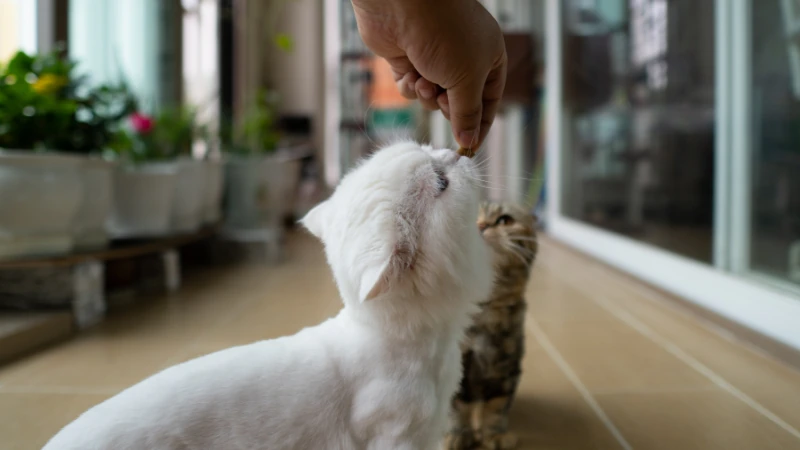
{"type": "Point", "coordinates": [655, 391]}
{"type": "Point", "coordinates": [659, 300]}
{"type": "Point", "coordinates": [687, 359]}
{"type": "Point", "coordinates": [573, 378]}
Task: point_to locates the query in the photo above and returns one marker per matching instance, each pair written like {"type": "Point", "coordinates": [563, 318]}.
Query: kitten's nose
{"type": "Point", "coordinates": [482, 226]}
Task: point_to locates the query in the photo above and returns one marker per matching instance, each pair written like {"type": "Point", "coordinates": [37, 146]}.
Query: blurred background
{"type": "Point", "coordinates": [155, 155]}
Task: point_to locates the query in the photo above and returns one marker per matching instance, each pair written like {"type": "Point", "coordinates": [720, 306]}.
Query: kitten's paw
{"type": "Point", "coordinates": [502, 441]}
{"type": "Point", "coordinates": [459, 440]}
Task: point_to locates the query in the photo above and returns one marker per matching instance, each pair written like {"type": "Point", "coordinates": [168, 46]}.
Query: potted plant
{"type": "Point", "coordinates": [251, 169]}
{"type": "Point", "coordinates": [103, 109]}
{"type": "Point", "coordinates": [144, 184]}
{"type": "Point", "coordinates": [176, 130]}
{"type": "Point", "coordinates": [57, 200]}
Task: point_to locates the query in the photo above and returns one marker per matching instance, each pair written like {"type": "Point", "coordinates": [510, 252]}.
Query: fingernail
{"type": "Point", "coordinates": [426, 92]}
{"type": "Point", "coordinates": [468, 138]}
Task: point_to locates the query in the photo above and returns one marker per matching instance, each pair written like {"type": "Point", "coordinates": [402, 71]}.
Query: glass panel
{"type": "Point", "coordinates": [639, 103]}
{"type": "Point", "coordinates": [775, 163]}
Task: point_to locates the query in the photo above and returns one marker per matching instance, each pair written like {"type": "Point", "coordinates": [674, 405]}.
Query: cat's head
{"type": "Point", "coordinates": [511, 232]}
{"type": "Point", "coordinates": [400, 228]}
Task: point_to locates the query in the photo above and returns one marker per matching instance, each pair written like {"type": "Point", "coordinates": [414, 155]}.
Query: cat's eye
{"type": "Point", "coordinates": [505, 219]}
{"type": "Point", "coordinates": [441, 181]}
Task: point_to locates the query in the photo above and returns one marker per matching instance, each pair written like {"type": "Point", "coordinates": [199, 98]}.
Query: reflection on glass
{"type": "Point", "coordinates": [775, 163]}
{"type": "Point", "coordinates": [639, 101]}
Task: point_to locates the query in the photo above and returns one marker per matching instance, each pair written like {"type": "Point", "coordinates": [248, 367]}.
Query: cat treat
{"type": "Point", "coordinates": [468, 152]}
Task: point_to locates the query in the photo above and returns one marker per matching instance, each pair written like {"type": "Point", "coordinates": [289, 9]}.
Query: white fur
{"type": "Point", "coordinates": [410, 266]}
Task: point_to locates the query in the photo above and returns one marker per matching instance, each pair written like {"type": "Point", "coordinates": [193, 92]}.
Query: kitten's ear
{"type": "Point", "coordinates": [374, 281]}
{"type": "Point", "coordinates": [315, 219]}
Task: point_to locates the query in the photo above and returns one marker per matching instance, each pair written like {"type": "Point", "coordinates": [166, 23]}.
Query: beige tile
{"type": "Point", "coordinates": [770, 383]}
{"type": "Point", "coordinates": [27, 421]}
{"type": "Point", "coordinates": [611, 356]}
{"type": "Point", "coordinates": [91, 363]}
{"type": "Point", "coordinates": [693, 421]}
{"type": "Point", "coordinates": [23, 332]}
{"type": "Point", "coordinates": [551, 300]}
{"type": "Point", "coordinates": [549, 413]}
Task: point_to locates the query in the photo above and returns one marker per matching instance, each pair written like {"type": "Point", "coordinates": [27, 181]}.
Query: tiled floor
{"type": "Point", "coordinates": [609, 364]}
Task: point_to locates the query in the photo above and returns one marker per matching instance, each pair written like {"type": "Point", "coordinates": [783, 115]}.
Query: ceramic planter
{"type": "Point", "coordinates": [143, 197]}
{"type": "Point", "coordinates": [189, 196]}
{"type": "Point", "coordinates": [259, 190]}
{"type": "Point", "coordinates": [95, 207]}
{"type": "Point", "coordinates": [244, 187]}
{"type": "Point", "coordinates": [213, 185]}
{"type": "Point", "coordinates": [40, 194]}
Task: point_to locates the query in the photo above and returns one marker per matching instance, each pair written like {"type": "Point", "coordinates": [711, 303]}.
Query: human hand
{"type": "Point", "coordinates": [449, 54]}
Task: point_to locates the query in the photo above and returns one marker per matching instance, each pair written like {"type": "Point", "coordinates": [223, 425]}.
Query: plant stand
{"type": "Point", "coordinates": [77, 282]}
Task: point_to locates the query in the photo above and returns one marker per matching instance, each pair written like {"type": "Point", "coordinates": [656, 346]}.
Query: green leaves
{"type": "Point", "coordinates": [257, 131]}
{"type": "Point", "coordinates": [284, 42]}
{"type": "Point", "coordinates": [44, 105]}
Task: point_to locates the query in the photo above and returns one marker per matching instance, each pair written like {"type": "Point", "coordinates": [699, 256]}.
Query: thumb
{"type": "Point", "coordinates": [466, 108]}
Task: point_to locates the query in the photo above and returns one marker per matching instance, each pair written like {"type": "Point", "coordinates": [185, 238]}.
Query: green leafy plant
{"type": "Point", "coordinates": [257, 133]}
{"type": "Point", "coordinates": [44, 105]}
{"type": "Point", "coordinates": [176, 129]}
{"type": "Point", "coordinates": [165, 137]}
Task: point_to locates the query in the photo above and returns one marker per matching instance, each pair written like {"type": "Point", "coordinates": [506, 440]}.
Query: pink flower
{"type": "Point", "coordinates": [141, 123]}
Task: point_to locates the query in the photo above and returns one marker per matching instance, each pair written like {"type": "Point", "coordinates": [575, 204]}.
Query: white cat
{"type": "Point", "coordinates": [400, 236]}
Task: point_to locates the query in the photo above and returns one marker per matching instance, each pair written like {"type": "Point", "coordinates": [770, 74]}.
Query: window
{"type": "Point", "coordinates": [17, 27]}
{"type": "Point", "coordinates": [640, 116]}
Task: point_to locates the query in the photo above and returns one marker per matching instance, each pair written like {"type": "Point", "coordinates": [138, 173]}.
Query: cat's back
{"type": "Point", "coordinates": [253, 396]}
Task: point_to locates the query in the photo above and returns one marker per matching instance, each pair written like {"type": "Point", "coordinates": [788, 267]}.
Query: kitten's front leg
{"type": "Point", "coordinates": [494, 434]}
{"type": "Point", "coordinates": [464, 404]}
{"type": "Point", "coordinates": [461, 436]}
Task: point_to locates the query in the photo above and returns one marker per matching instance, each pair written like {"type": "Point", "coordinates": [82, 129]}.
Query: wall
{"type": "Point", "coordinates": [298, 76]}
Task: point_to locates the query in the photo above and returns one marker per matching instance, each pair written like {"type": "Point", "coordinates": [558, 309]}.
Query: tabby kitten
{"type": "Point", "coordinates": [494, 345]}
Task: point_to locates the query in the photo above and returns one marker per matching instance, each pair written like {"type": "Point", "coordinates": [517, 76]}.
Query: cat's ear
{"type": "Point", "coordinates": [315, 219]}
{"type": "Point", "coordinates": [377, 279]}
{"type": "Point", "coordinates": [374, 281]}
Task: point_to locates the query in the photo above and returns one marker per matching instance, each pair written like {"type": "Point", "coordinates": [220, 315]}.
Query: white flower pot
{"type": "Point", "coordinates": [244, 186]}
{"type": "Point", "coordinates": [188, 200]}
{"type": "Point", "coordinates": [213, 184]}
{"type": "Point", "coordinates": [259, 190]}
{"type": "Point", "coordinates": [40, 194]}
{"type": "Point", "coordinates": [143, 197]}
{"type": "Point", "coordinates": [93, 213]}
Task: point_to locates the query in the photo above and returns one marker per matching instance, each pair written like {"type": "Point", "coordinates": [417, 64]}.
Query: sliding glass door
{"type": "Point", "coordinates": [773, 158]}
{"type": "Point", "coordinates": [640, 116]}
{"type": "Point", "coordinates": [674, 148]}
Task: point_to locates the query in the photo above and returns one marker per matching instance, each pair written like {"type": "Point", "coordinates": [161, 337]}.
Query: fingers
{"type": "Point", "coordinates": [466, 111]}
{"type": "Point", "coordinates": [426, 93]}
{"type": "Point", "coordinates": [407, 85]}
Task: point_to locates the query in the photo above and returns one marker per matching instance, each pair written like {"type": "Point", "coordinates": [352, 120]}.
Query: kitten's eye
{"type": "Point", "coordinates": [441, 181]}
{"type": "Point", "coordinates": [505, 219]}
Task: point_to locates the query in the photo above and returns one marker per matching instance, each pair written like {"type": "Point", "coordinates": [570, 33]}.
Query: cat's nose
{"type": "Point", "coordinates": [482, 226]}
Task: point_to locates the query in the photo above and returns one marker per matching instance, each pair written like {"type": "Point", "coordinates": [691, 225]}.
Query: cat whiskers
{"type": "Point", "coordinates": [521, 253]}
